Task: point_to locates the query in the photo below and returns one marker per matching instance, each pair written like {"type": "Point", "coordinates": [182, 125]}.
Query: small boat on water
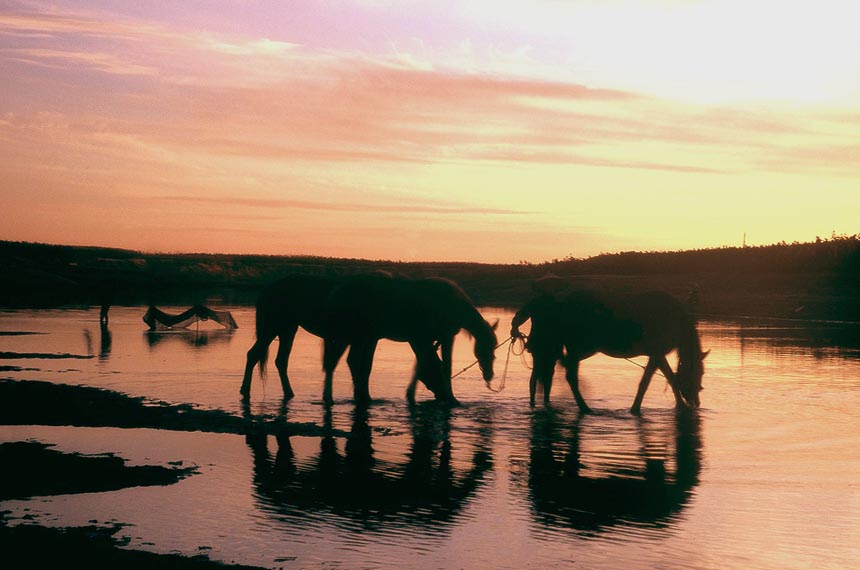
{"type": "Point", "coordinates": [158, 320]}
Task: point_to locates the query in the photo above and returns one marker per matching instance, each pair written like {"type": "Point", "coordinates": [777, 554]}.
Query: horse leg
{"type": "Point", "coordinates": [257, 354]}
{"type": "Point", "coordinates": [542, 371]}
{"type": "Point", "coordinates": [447, 346]}
{"type": "Point", "coordinates": [650, 368]}
{"type": "Point", "coordinates": [533, 386]}
{"type": "Point", "coordinates": [410, 390]}
{"type": "Point", "coordinates": [663, 366]}
{"type": "Point", "coordinates": [420, 372]}
{"type": "Point", "coordinates": [432, 371]}
{"type": "Point", "coordinates": [332, 351]}
{"type": "Point", "coordinates": [572, 377]}
{"type": "Point", "coordinates": [360, 361]}
{"type": "Point", "coordinates": [287, 336]}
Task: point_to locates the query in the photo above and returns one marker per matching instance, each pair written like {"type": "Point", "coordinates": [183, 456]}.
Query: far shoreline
{"type": "Point", "coordinates": [804, 281]}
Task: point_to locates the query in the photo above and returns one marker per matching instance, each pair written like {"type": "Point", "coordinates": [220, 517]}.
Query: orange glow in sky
{"type": "Point", "coordinates": [395, 129]}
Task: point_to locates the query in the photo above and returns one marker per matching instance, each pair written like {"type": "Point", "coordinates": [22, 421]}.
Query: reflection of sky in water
{"type": "Point", "coordinates": [766, 479]}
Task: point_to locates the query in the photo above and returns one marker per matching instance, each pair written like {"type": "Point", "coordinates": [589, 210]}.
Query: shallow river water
{"type": "Point", "coordinates": [765, 475]}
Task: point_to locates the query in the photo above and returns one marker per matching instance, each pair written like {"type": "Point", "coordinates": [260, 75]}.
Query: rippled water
{"type": "Point", "coordinates": [764, 476]}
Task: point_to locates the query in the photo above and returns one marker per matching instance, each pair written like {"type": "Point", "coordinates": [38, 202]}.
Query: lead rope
{"type": "Point", "coordinates": [504, 374]}
{"type": "Point", "coordinates": [522, 352]}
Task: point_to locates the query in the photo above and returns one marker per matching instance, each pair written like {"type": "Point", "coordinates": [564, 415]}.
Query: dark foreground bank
{"type": "Point", "coordinates": [90, 547]}
{"type": "Point", "coordinates": [32, 469]}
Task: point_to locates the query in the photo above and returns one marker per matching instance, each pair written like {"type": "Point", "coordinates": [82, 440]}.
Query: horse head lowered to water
{"type": "Point", "coordinates": [426, 313]}
{"type": "Point", "coordinates": [649, 324]}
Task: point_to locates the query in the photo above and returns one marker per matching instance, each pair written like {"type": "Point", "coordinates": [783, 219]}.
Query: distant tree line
{"type": "Point", "coordinates": [838, 255]}
{"type": "Point", "coordinates": [48, 275]}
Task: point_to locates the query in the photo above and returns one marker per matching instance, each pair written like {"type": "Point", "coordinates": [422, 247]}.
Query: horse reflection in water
{"type": "Point", "coordinates": [425, 313]}
{"type": "Point", "coordinates": [427, 490]}
{"type": "Point", "coordinates": [613, 487]}
{"type": "Point", "coordinates": [622, 326]}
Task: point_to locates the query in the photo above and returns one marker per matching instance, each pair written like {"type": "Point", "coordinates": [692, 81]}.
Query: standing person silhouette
{"type": "Point", "coordinates": [103, 313]}
{"type": "Point", "coordinates": [544, 339]}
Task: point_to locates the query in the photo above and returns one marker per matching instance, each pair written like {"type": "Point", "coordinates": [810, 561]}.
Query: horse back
{"type": "Point", "coordinates": [661, 322]}
{"type": "Point", "coordinates": [296, 300]}
{"type": "Point", "coordinates": [651, 323]}
{"type": "Point", "coordinates": [396, 308]}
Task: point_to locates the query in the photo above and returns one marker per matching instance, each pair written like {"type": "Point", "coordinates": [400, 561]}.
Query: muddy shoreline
{"type": "Point", "coordinates": [34, 469]}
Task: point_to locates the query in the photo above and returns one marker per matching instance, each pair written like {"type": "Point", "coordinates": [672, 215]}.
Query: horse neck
{"type": "Point", "coordinates": [473, 322]}
{"type": "Point", "coordinates": [689, 345]}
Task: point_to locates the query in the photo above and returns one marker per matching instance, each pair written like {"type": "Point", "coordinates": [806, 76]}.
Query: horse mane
{"type": "Point", "coordinates": [689, 344]}
{"type": "Point", "coordinates": [476, 325]}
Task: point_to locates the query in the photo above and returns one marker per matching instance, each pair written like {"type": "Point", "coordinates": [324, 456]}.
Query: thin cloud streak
{"type": "Point", "coordinates": [340, 207]}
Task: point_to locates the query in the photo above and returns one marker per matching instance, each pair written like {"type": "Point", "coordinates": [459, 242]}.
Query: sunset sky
{"type": "Point", "coordinates": [522, 130]}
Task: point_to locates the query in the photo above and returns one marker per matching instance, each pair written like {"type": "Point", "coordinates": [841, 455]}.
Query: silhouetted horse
{"type": "Point", "coordinates": [422, 312]}
{"type": "Point", "coordinates": [283, 307]}
{"type": "Point", "coordinates": [622, 326]}
{"type": "Point", "coordinates": [293, 302]}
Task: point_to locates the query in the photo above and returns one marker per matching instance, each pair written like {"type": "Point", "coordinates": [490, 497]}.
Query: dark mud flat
{"type": "Point", "coordinates": [34, 469]}
{"type": "Point", "coordinates": [29, 546]}
{"type": "Point", "coordinates": [30, 402]}
{"type": "Point", "coordinates": [46, 403]}
{"type": "Point", "coordinates": [38, 470]}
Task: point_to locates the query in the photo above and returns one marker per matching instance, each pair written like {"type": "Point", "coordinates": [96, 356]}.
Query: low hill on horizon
{"type": "Point", "coordinates": [803, 280]}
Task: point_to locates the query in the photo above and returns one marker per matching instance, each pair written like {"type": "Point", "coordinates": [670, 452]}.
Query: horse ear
{"type": "Point", "coordinates": [495, 324]}
{"type": "Point", "coordinates": [705, 354]}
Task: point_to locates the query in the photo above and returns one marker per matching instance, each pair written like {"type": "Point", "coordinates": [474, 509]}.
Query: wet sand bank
{"type": "Point", "coordinates": [34, 469]}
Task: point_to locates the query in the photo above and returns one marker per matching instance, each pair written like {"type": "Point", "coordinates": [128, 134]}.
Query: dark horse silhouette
{"type": "Point", "coordinates": [649, 324]}
{"type": "Point", "coordinates": [282, 307]}
{"type": "Point", "coordinates": [303, 301]}
{"type": "Point", "coordinates": [426, 313]}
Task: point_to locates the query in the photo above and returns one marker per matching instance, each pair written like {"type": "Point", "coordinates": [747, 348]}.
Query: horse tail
{"type": "Point", "coordinates": [260, 332]}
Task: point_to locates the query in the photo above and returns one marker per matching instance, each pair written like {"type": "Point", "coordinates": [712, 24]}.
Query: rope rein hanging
{"type": "Point", "coordinates": [474, 363]}
{"type": "Point", "coordinates": [505, 372]}
{"type": "Point", "coordinates": [523, 339]}
{"type": "Point", "coordinates": [522, 353]}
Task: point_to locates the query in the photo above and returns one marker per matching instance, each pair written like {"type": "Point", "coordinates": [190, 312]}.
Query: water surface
{"type": "Point", "coordinates": [763, 476]}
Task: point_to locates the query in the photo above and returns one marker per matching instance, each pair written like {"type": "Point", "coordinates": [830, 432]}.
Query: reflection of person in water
{"type": "Point", "coordinates": [544, 340]}
{"type": "Point", "coordinates": [106, 341]}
